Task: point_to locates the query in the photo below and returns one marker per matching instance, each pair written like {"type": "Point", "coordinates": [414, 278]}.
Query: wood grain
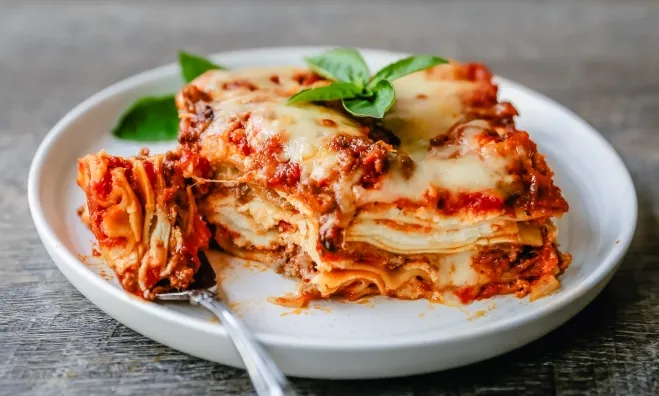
{"type": "Point", "coordinates": [599, 58]}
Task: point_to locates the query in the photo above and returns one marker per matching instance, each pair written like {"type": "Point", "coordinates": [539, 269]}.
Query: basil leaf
{"type": "Point", "coordinates": [333, 91]}
{"type": "Point", "coordinates": [366, 93]}
{"type": "Point", "coordinates": [192, 66]}
{"type": "Point", "coordinates": [341, 64]}
{"type": "Point", "coordinates": [149, 119]}
{"type": "Point", "coordinates": [383, 99]}
{"type": "Point", "coordinates": [404, 67]}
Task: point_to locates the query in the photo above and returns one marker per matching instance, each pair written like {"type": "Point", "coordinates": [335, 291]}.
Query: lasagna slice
{"type": "Point", "coordinates": [443, 199]}
{"type": "Point", "coordinates": [144, 217]}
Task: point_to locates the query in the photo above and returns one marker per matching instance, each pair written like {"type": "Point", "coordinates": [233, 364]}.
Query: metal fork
{"type": "Point", "coordinates": [264, 373]}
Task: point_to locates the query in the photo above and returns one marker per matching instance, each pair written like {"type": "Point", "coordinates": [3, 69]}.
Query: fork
{"type": "Point", "coordinates": [266, 377]}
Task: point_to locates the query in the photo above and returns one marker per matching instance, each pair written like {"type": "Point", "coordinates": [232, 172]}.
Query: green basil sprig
{"type": "Point", "coordinates": [361, 96]}
{"type": "Point", "coordinates": [193, 66]}
{"type": "Point", "coordinates": [341, 64]}
{"type": "Point", "coordinates": [156, 118]}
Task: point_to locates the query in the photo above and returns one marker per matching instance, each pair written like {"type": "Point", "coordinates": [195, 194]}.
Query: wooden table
{"type": "Point", "coordinates": [599, 58]}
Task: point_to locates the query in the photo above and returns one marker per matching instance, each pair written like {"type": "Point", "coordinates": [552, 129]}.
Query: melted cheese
{"type": "Point", "coordinates": [304, 136]}
{"type": "Point", "coordinates": [303, 130]}
{"type": "Point", "coordinates": [427, 105]}
{"type": "Point", "coordinates": [280, 80]}
{"type": "Point", "coordinates": [469, 173]}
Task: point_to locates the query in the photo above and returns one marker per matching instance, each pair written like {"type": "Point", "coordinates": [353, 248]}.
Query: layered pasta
{"type": "Point", "coordinates": [144, 217]}
{"type": "Point", "coordinates": [442, 199]}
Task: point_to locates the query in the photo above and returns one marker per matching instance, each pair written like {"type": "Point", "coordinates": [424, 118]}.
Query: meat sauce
{"type": "Point", "coordinates": [358, 153]}
{"type": "Point", "coordinates": [473, 202]}
{"type": "Point", "coordinates": [195, 240]}
{"type": "Point", "coordinates": [286, 174]}
{"type": "Point", "coordinates": [513, 269]}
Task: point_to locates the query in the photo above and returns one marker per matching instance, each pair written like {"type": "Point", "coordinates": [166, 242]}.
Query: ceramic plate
{"type": "Point", "coordinates": [378, 337]}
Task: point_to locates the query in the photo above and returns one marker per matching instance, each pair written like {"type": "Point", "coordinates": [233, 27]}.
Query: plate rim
{"type": "Point", "coordinates": [561, 300]}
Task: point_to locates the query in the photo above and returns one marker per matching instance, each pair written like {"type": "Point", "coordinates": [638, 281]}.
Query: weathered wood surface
{"type": "Point", "coordinates": [599, 58]}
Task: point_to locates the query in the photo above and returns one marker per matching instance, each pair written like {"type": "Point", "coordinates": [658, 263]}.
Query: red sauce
{"type": "Point", "coordinates": [488, 136]}
{"type": "Point", "coordinates": [98, 191]}
{"type": "Point", "coordinates": [114, 242]}
{"type": "Point", "coordinates": [194, 163]}
{"type": "Point", "coordinates": [117, 162]}
{"type": "Point", "coordinates": [360, 153]}
{"type": "Point", "coordinates": [272, 146]}
{"type": "Point", "coordinates": [266, 160]}
{"type": "Point", "coordinates": [238, 137]}
{"type": "Point", "coordinates": [169, 193]}
{"type": "Point", "coordinates": [195, 113]}
{"type": "Point", "coordinates": [474, 202]}
{"type": "Point", "coordinates": [286, 174]}
{"type": "Point", "coordinates": [96, 217]}
{"type": "Point", "coordinates": [424, 286]}
{"type": "Point", "coordinates": [103, 187]}
{"type": "Point", "coordinates": [150, 172]}
{"type": "Point", "coordinates": [285, 226]}
{"type": "Point", "coordinates": [152, 277]}
{"type": "Point", "coordinates": [515, 268]}
{"type": "Point", "coordinates": [190, 95]}
{"type": "Point", "coordinates": [353, 144]}
{"type": "Point", "coordinates": [129, 281]}
{"type": "Point", "coordinates": [374, 164]}
{"type": "Point", "coordinates": [196, 240]}
{"type": "Point", "coordinates": [466, 294]}
{"type": "Point", "coordinates": [477, 72]}
{"type": "Point", "coordinates": [536, 193]}
{"type": "Point", "coordinates": [483, 97]}
{"type": "Point", "coordinates": [496, 289]}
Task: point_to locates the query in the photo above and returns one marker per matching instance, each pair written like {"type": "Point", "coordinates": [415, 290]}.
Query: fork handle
{"type": "Point", "coordinates": [264, 373]}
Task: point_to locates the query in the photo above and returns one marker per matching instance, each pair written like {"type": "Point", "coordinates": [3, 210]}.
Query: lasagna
{"type": "Point", "coordinates": [442, 199]}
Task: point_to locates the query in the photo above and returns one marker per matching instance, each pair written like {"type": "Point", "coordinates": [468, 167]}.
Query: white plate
{"type": "Point", "coordinates": [333, 340]}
